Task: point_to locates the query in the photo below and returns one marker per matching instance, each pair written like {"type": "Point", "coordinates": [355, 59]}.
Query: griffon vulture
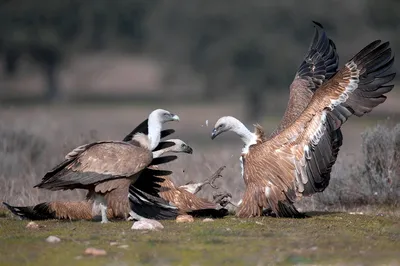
{"type": "Point", "coordinates": [146, 201]}
{"type": "Point", "coordinates": [319, 64]}
{"type": "Point", "coordinates": [82, 210]}
{"type": "Point", "coordinates": [297, 162]}
{"type": "Point", "coordinates": [162, 186]}
{"type": "Point", "coordinates": [107, 168]}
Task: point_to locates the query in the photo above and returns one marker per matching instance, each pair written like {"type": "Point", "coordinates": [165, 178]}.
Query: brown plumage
{"type": "Point", "coordinates": [320, 64]}
{"type": "Point", "coordinates": [83, 210]}
{"type": "Point", "coordinates": [62, 210]}
{"type": "Point", "coordinates": [107, 168]}
{"type": "Point", "coordinates": [164, 187]}
{"type": "Point", "coordinates": [292, 164]}
{"type": "Point", "coordinates": [185, 201]}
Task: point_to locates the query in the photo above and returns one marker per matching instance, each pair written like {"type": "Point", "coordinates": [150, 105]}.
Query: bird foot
{"type": "Point", "coordinates": [222, 198]}
{"type": "Point", "coordinates": [210, 181]}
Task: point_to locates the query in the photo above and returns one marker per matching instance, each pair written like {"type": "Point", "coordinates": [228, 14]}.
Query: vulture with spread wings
{"type": "Point", "coordinates": [297, 160]}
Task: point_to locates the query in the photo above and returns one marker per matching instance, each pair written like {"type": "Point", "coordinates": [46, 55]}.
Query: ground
{"type": "Point", "coordinates": [35, 138]}
{"type": "Point", "coordinates": [323, 239]}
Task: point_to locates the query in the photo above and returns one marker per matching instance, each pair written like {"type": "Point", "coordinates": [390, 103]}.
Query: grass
{"type": "Point", "coordinates": [34, 139]}
{"type": "Point", "coordinates": [324, 239]}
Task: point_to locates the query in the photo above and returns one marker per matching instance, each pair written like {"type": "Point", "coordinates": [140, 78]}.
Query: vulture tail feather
{"type": "Point", "coordinates": [41, 211]}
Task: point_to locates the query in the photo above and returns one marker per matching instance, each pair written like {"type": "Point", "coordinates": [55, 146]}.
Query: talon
{"type": "Point", "coordinates": [214, 177]}
{"type": "Point", "coordinates": [222, 199]}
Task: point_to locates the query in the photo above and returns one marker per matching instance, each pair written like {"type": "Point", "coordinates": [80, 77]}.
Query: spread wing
{"type": "Point", "coordinates": [151, 207]}
{"type": "Point", "coordinates": [150, 181]}
{"type": "Point", "coordinates": [143, 128]}
{"type": "Point", "coordinates": [298, 160]}
{"type": "Point", "coordinates": [319, 64]}
{"type": "Point", "coordinates": [96, 162]}
{"type": "Point", "coordinates": [143, 194]}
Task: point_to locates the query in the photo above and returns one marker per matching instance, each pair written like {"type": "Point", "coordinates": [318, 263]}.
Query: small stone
{"type": "Point", "coordinates": [124, 246]}
{"type": "Point", "coordinates": [95, 252]}
{"type": "Point", "coordinates": [206, 220]}
{"type": "Point", "coordinates": [260, 223]}
{"type": "Point", "coordinates": [113, 243]}
{"type": "Point", "coordinates": [314, 248]}
{"type": "Point", "coordinates": [53, 239]}
{"type": "Point", "coordinates": [147, 224]}
{"type": "Point", "coordinates": [184, 218]}
{"type": "Point", "coordinates": [32, 225]}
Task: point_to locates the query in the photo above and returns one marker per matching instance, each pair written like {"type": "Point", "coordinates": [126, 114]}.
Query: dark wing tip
{"type": "Point", "coordinates": [141, 128]}
{"type": "Point", "coordinates": [163, 145]}
{"type": "Point", "coordinates": [317, 24]}
{"type": "Point", "coordinates": [166, 132]}
{"type": "Point", "coordinates": [15, 210]}
{"type": "Point", "coordinates": [163, 159]}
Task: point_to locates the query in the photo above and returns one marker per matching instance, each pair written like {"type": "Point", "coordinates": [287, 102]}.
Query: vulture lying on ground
{"type": "Point", "coordinates": [298, 160]}
{"type": "Point", "coordinates": [107, 168]}
{"type": "Point", "coordinates": [146, 192]}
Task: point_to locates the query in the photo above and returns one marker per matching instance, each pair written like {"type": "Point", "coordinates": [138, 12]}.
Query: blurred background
{"type": "Point", "coordinates": [76, 71]}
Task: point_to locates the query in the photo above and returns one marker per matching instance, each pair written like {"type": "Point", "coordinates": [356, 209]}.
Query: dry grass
{"type": "Point", "coordinates": [32, 141]}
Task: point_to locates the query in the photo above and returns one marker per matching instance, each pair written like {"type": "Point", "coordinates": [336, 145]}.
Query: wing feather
{"type": "Point", "coordinates": [95, 163]}
{"type": "Point", "coordinates": [312, 142]}
{"type": "Point", "coordinates": [319, 64]}
{"type": "Point", "coordinates": [144, 129]}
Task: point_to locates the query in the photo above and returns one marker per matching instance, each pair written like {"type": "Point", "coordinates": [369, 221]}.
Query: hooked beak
{"type": "Point", "coordinates": [214, 133]}
{"type": "Point", "coordinates": [174, 117]}
{"type": "Point", "coordinates": [189, 150]}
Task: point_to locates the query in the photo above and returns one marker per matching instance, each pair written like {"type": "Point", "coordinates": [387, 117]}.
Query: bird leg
{"type": "Point", "coordinates": [214, 177]}
{"type": "Point", "coordinates": [103, 209]}
{"type": "Point", "coordinates": [223, 199]}
{"type": "Point", "coordinates": [195, 188]}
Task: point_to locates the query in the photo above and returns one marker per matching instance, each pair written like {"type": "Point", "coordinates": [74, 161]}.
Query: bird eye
{"type": "Point", "coordinates": [183, 145]}
{"type": "Point", "coordinates": [221, 125]}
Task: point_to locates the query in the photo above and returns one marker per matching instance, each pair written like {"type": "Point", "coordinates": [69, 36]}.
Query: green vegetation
{"type": "Point", "coordinates": [328, 238]}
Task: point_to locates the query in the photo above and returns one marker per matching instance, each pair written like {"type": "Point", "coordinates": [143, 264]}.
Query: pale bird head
{"type": "Point", "coordinates": [223, 124]}
{"type": "Point", "coordinates": [180, 146]}
{"type": "Point", "coordinates": [164, 115]}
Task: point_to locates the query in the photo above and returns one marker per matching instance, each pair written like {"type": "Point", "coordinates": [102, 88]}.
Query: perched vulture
{"type": "Point", "coordinates": [107, 168]}
{"type": "Point", "coordinates": [298, 160]}
{"type": "Point", "coordinates": [162, 186]}
{"type": "Point", "coordinates": [82, 210]}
